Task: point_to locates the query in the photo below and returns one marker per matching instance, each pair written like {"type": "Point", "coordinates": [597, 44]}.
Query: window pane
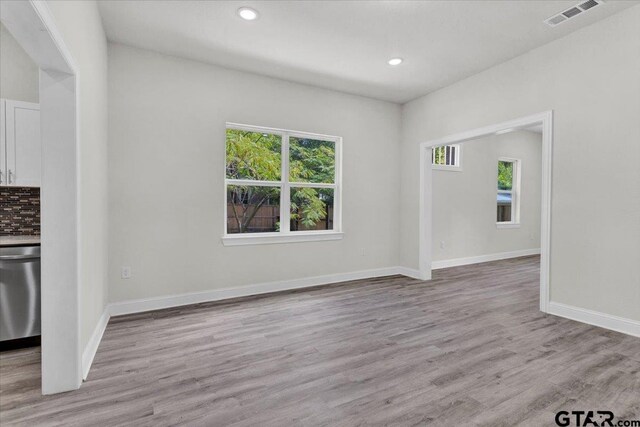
{"type": "Point", "coordinates": [253, 209]}
{"type": "Point", "coordinates": [504, 213]}
{"type": "Point", "coordinates": [445, 155]}
{"type": "Point", "coordinates": [312, 160]}
{"type": "Point", "coordinates": [311, 209]}
{"type": "Point", "coordinates": [438, 155]}
{"type": "Point", "coordinates": [253, 155]}
{"type": "Point", "coordinates": [505, 201]}
{"type": "Point", "coordinates": [505, 175]}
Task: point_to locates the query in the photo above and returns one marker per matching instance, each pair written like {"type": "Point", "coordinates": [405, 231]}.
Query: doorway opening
{"type": "Point", "coordinates": [33, 27]}
{"type": "Point", "coordinates": [506, 198]}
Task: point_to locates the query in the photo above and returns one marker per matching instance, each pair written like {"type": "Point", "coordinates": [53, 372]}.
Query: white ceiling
{"type": "Point", "coordinates": [345, 45]}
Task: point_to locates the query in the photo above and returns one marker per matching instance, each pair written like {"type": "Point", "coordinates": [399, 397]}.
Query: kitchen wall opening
{"type": "Point", "coordinates": [20, 180]}
{"type": "Point", "coordinates": [39, 317]}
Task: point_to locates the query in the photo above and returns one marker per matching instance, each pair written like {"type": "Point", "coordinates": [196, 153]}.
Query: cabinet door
{"type": "Point", "coordinates": [3, 145]}
{"type": "Point", "coordinates": [24, 154]}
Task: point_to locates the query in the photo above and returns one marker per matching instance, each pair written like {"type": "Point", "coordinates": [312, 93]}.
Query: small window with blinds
{"type": "Point", "coordinates": [446, 157]}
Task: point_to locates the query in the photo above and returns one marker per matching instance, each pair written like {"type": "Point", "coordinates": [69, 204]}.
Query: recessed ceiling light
{"type": "Point", "coordinates": [247, 13]}
{"type": "Point", "coordinates": [395, 61]}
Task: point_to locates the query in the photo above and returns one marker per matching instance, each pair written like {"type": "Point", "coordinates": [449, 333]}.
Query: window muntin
{"type": "Point", "coordinates": [260, 202]}
{"type": "Point", "coordinates": [508, 188]}
{"type": "Point", "coordinates": [446, 156]}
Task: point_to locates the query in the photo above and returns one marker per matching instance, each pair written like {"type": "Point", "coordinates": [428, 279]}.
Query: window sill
{"type": "Point", "coordinates": [275, 238]}
{"type": "Point", "coordinates": [507, 225]}
{"type": "Point", "coordinates": [446, 168]}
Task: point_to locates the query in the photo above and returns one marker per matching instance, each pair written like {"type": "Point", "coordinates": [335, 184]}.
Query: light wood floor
{"type": "Point", "coordinates": [469, 347]}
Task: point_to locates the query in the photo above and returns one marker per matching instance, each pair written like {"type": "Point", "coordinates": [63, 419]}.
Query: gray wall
{"type": "Point", "coordinates": [464, 203]}
{"type": "Point", "coordinates": [166, 174]}
{"type": "Point", "coordinates": [18, 72]}
{"type": "Point", "coordinates": [590, 80]}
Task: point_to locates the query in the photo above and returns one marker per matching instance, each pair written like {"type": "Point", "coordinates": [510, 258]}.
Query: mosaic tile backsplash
{"type": "Point", "coordinates": [19, 211]}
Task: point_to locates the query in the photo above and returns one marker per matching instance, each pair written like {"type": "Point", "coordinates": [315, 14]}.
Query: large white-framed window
{"type": "Point", "coordinates": [281, 186]}
{"type": "Point", "coordinates": [508, 193]}
{"type": "Point", "coordinates": [447, 157]}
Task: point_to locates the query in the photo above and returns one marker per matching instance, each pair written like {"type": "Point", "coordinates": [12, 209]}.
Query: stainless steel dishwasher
{"type": "Point", "coordinates": [19, 292]}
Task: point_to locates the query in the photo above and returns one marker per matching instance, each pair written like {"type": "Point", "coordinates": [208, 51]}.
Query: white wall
{"type": "Point", "coordinates": [464, 213]}
{"type": "Point", "coordinates": [166, 171]}
{"type": "Point", "coordinates": [18, 72]}
{"type": "Point", "coordinates": [81, 28]}
{"type": "Point", "coordinates": [60, 301]}
{"type": "Point", "coordinates": [590, 80]}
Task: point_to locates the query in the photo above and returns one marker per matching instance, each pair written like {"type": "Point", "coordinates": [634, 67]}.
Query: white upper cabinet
{"type": "Point", "coordinates": [20, 148]}
{"type": "Point", "coordinates": [3, 144]}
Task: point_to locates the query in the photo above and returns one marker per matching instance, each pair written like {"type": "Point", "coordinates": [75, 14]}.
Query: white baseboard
{"type": "Point", "coordinates": [607, 321]}
{"type": "Point", "coordinates": [92, 346]}
{"type": "Point", "coordinates": [436, 265]}
{"type": "Point", "coordinates": [410, 272]}
{"type": "Point", "coordinates": [148, 304]}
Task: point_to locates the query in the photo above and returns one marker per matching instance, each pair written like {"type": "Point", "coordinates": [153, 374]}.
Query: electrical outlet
{"type": "Point", "coordinates": [363, 251]}
{"type": "Point", "coordinates": [532, 236]}
{"type": "Point", "coordinates": [442, 244]}
{"type": "Point", "coordinates": [125, 273]}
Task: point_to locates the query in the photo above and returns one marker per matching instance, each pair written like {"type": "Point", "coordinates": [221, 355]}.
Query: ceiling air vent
{"type": "Point", "coordinates": [588, 4]}
{"type": "Point", "coordinates": [555, 20]}
{"type": "Point", "coordinates": [572, 12]}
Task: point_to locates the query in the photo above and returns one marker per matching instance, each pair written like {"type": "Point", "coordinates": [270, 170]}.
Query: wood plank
{"type": "Point", "coordinates": [468, 347]}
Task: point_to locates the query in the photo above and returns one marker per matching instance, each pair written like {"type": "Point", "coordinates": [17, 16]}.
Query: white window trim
{"type": "Point", "coordinates": [273, 238]}
{"type": "Point", "coordinates": [458, 161]}
{"type": "Point", "coordinates": [286, 235]}
{"type": "Point", "coordinates": [500, 225]}
{"type": "Point", "coordinates": [515, 194]}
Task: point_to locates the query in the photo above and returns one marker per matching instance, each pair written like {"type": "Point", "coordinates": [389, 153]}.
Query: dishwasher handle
{"type": "Point", "coordinates": [18, 257]}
